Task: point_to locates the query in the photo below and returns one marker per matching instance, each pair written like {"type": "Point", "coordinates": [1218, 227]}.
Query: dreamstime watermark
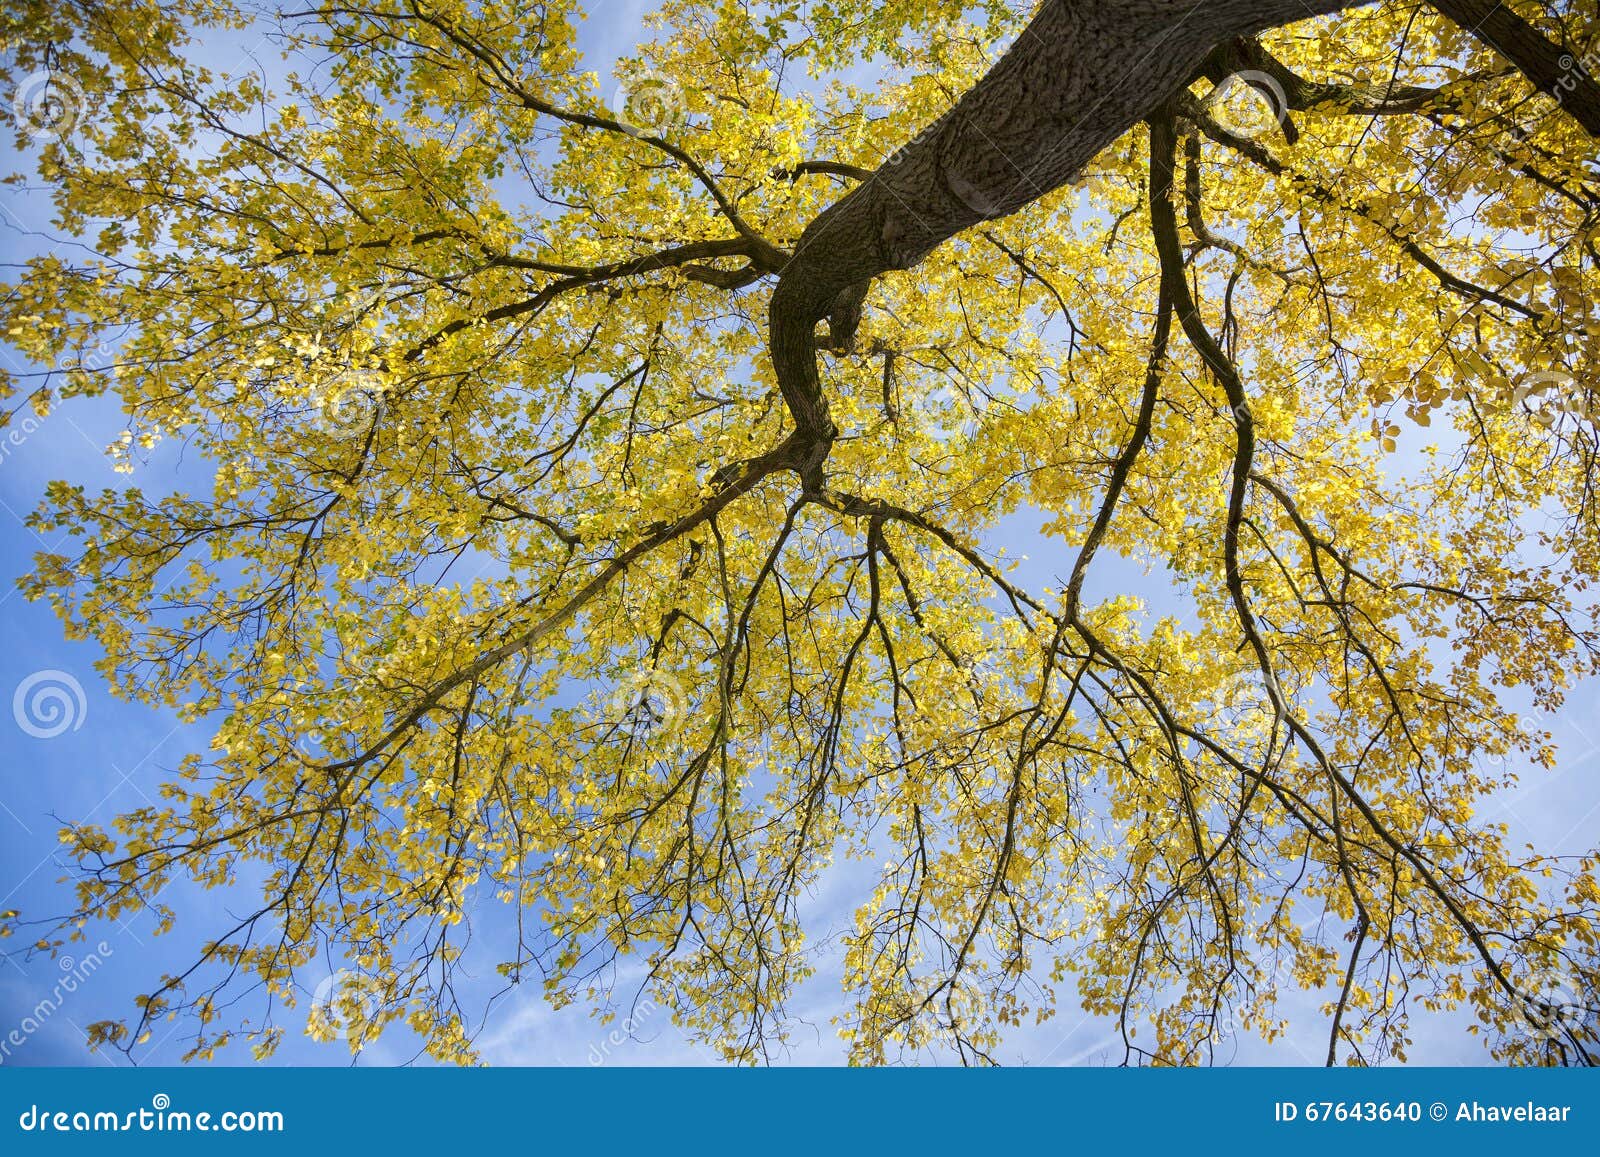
{"type": "Point", "coordinates": [1242, 694]}
{"type": "Point", "coordinates": [349, 404]}
{"type": "Point", "coordinates": [49, 703]}
{"type": "Point", "coordinates": [342, 1005]}
{"type": "Point", "coordinates": [649, 104]}
{"type": "Point", "coordinates": [1280, 976]}
{"type": "Point", "coordinates": [1542, 716]}
{"type": "Point", "coordinates": [987, 203]}
{"type": "Point", "coordinates": [948, 414]}
{"type": "Point", "coordinates": [1092, 185]}
{"type": "Point", "coordinates": [647, 705]}
{"type": "Point", "coordinates": [348, 393]}
{"type": "Point", "coordinates": [1573, 69]}
{"type": "Point", "coordinates": [14, 435]}
{"type": "Point", "coordinates": [1548, 395]}
{"type": "Point", "coordinates": [957, 1007]}
{"type": "Point", "coordinates": [1552, 1005]}
{"type": "Point", "coordinates": [47, 105]}
{"type": "Point", "coordinates": [623, 1033]}
{"type": "Point", "coordinates": [74, 974]}
{"type": "Point", "coordinates": [984, 673]}
{"type": "Point", "coordinates": [985, 56]}
{"type": "Point", "coordinates": [160, 1117]}
{"type": "Point", "coordinates": [1239, 99]}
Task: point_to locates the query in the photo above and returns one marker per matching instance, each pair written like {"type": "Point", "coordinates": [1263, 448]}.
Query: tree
{"type": "Point", "coordinates": [716, 391]}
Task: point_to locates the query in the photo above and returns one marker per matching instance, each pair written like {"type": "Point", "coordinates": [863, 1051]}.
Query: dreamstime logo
{"type": "Point", "coordinates": [1551, 1004]}
{"type": "Point", "coordinates": [649, 103]}
{"type": "Point", "coordinates": [1533, 722]}
{"type": "Point", "coordinates": [905, 150]}
{"type": "Point", "coordinates": [47, 105]}
{"type": "Point", "coordinates": [957, 1007]}
{"type": "Point", "coordinates": [349, 404]}
{"type": "Point", "coordinates": [984, 202]}
{"type": "Point", "coordinates": [1548, 394]}
{"type": "Point", "coordinates": [1242, 695]}
{"type": "Point", "coordinates": [1092, 185]}
{"type": "Point", "coordinates": [16, 435]}
{"type": "Point", "coordinates": [1239, 99]}
{"type": "Point", "coordinates": [624, 1032]}
{"type": "Point", "coordinates": [49, 703]}
{"type": "Point", "coordinates": [986, 673]}
{"type": "Point", "coordinates": [648, 704]}
{"type": "Point", "coordinates": [948, 414]}
{"type": "Point", "coordinates": [155, 1119]}
{"type": "Point", "coordinates": [978, 669]}
{"type": "Point", "coordinates": [343, 1003]}
{"type": "Point", "coordinates": [74, 974]}
{"type": "Point", "coordinates": [12, 436]}
{"type": "Point", "coordinates": [1571, 70]}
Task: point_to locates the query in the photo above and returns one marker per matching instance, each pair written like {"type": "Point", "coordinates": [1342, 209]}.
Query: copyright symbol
{"type": "Point", "coordinates": [1438, 1112]}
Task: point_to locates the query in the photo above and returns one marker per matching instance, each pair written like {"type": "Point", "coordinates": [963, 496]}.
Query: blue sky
{"type": "Point", "coordinates": [110, 756]}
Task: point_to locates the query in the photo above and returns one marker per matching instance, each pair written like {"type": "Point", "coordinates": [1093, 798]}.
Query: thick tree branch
{"type": "Point", "coordinates": [1549, 67]}
{"type": "Point", "coordinates": [1164, 234]}
{"type": "Point", "coordinates": [1246, 54]}
{"type": "Point", "coordinates": [1263, 157]}
{"type": "Point", "coordinates": [1079, 76]}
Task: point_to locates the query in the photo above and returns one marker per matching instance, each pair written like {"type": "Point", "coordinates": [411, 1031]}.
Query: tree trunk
{"type": "Point", "coordinates": [1079, 76]}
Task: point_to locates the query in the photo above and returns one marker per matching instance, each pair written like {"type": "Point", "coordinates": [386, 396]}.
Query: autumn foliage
{"type": "Point", "coordinates": [517, 575]}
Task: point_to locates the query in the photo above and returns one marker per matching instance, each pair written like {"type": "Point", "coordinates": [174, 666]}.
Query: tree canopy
{"type": "Point", "coordinates": [607, 483]}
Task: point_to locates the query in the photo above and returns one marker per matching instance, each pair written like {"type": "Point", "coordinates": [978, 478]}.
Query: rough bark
{"type": "Point", "coordinates": [1079, 76]}
{"type": "Point", "coordinates": [1548, 66]}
